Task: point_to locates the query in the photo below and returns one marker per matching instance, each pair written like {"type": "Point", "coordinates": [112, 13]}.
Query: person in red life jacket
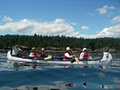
{"type": "Point", "coordinates": [33, 54]}
{"type": "Point", "coordinates": [42, 54]}
{"type": "Point", "coordinates": [68, 55]}
{"type": "Point", "coordinates": [84, 55]}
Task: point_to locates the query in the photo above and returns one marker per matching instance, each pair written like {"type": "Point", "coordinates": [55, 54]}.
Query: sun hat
{"type": "Point", "coordinates": [67, 48]}
{"type": "Point", "coordinates": [42, 49]}
{"type": "Point", "coordinates": [84, 49]}
{"type": "Point", "coordinates": [33, 48]}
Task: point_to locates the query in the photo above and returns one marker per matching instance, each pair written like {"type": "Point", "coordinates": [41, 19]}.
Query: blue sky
{"type": "Point", "coordinates": [77, 18]}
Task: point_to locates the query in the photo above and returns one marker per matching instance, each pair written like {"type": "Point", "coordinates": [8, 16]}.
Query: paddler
{"type": "Point", "coordinates": [15, 50]}
{"type": "Point", "coordinates": [84, 55]}
{"type": "Point", "coordinates": [42, 53]}
{"type": "Point", "coordinates": [33, 54]}
{"type": "Point", "coordinates": [68, 55]}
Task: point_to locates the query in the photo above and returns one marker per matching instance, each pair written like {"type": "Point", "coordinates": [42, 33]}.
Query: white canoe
{"type": "Point", "coordinates": [105, 61]}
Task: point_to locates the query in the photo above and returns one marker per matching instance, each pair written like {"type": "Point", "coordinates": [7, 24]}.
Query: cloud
{"type": "Point", "coordinates": [113, 31]}
{"type": "Point", "coordinates": [56, 27]}
{"type": "Point", "coordinates": [59, 21]}
{"type": "Point", "coordinates": [84, 27]}
{"type": "Point", "coordinates": [7, 19]}
{"type": "Point", "coordinates": [105, 10]}
{"type": "Point", "coordinates": [116, 19]}
{"type": "Point", "coordinates": [74, 34]}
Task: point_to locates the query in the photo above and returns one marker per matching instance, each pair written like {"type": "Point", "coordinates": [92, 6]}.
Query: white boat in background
{"type": "Point", "coordinates": [105, 61]}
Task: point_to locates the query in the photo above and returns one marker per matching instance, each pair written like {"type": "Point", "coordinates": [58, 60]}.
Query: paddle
{"type": "Point", "coordinates": [75, 59]}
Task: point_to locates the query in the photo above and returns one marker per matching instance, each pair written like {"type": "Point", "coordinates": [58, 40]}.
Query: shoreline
{"type": "Point", "coordinates": [61, 50]}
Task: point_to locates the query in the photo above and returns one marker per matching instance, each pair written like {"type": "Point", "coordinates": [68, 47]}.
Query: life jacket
{"type": "Point", "coordinates": [42, 55]}
{"type": "Point", "coordinates": [85, 56]}
{"type": "Point", "coordinates": [34, 55]}
{"type": "Point", "coordinates": [65, 57]}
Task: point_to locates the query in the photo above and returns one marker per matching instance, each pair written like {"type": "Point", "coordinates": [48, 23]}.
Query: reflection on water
{"type": "Point", "coordinates": [41, 87]}
{"type": "Point", "coordinates": [58, 78]}
{"type": "Point", "coordinates": [110, 87]}
{"type": "Point", "coordinates": [101, 74]}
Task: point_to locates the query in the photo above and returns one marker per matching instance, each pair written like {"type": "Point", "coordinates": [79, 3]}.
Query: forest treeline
{"type": "Point", "coordinates": [7, 41]}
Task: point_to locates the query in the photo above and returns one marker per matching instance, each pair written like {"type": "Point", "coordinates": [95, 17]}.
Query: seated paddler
{"type": "Point", "coordinates": [42, 53]}
{"type": "Point", "coordinates": [33, 54]}
{"type": "Point", "coordinates": [84, 55]}
{"type": "Point", "coordinates": [68, 55]}
{"type": "Point", "coordinates": [15, 50]}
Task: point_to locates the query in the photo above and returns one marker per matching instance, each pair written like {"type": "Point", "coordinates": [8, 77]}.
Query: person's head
{"type": "Point", "coordinates": [16, 45]}
{"type": "Point", "coordinates": [33, 48]}
{"type": "Point", "coordinates": [84, 50]}
{"type": "Point", "coordinates": [68, 49]}
{"type": "Point", "coordinates": [42, 49]}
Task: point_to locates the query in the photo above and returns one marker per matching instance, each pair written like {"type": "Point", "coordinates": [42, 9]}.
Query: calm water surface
{"type": "Point", "coordinates": [60, 78]}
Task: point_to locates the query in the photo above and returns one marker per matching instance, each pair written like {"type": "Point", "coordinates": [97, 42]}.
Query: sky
{"type": "Point", "coordinates": [74, 18]}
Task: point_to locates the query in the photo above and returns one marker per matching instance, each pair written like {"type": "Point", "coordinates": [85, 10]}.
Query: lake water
{"type": "Point", "coordinates": [60, 78]}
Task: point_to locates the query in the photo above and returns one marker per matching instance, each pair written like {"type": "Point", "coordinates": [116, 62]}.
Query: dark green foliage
{"type": "Point", "coordinates": [8, 41]}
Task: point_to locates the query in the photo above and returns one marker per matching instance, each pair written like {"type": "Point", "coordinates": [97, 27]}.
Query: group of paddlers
{"type": "Point", "coordinates": [68, 55]}
{"type": "Point", "coordinates": [33, 55]}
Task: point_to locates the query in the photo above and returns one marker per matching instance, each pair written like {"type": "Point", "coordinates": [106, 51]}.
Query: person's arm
{"type": "Point", "coordinates": [31, 55]}
{"type": "Point", "coordinates": [81, 56]}
{"type": "Point", "coordinates": [20, 49]}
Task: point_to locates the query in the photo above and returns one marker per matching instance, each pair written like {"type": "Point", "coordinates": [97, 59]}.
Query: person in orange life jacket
{"type": "Point", "coordinates": [33, 54]}
{"type": "Point", "coordinates": [68, 55]}
{"type": "Point", "coordinates": [42, 54]}
{"type": "Point", "coordinates": [84, 55]}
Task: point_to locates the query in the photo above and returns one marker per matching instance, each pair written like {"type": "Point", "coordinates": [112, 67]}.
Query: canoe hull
{"type": "Point", "coordinates": [105, 61]}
